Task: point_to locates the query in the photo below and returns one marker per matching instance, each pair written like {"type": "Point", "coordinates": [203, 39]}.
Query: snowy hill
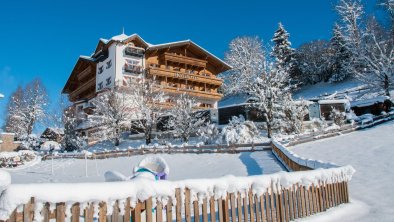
{"type": "Point", "coordinates": [370, 153]}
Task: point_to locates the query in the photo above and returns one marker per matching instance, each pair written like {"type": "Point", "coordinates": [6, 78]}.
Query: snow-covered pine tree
{"type": "Point", "coordinates": [15, 116]}
{"type": "Point", "coordinates": [113, 109]}
{"type": "Point", "coordinates": [340, 56]}
{"type": "Point", "coordinates": [314, 60]}
{"type": "Point", "coordinates": [183, 118]}
{"type": "Point", "coordinates": [247, 58]}
{"type": "Point", "coordinates": [282, 50]}
{"type": "Point", "coordinates": [147, 107]}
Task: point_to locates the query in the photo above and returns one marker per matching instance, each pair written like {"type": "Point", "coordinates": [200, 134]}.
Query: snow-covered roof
{"type": "Point", "coordinates": [56, 130]}
{"type": "Point", "coordinates": [333, 101]}
{"type": "Point", "coordinates": [235, 100]}
{"type": "Point", "coordinates": [369, 102]}
{"type": "Point", "coordinates": [89, 58]}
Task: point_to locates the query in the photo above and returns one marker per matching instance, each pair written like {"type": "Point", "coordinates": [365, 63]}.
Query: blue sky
{"type": "Point", "coordinates": [44, 38]}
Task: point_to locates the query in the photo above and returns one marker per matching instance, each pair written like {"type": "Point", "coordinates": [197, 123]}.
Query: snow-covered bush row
{"type": "Point", "coordinates": [314, 164]}
{"type": "Point", "coordinates": [14, 159]}
{"type": "Point", "coordinates": [141, 189]}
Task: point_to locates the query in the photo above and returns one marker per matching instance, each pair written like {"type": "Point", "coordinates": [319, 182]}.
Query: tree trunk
{"type": "Point", "coordinates": [386, 85]}
{"type": "Point", "coordinates": [117, 141]}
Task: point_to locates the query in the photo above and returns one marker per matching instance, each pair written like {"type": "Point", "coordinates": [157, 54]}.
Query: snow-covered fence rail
{"type": "Point", "coordinates": [219, 148]}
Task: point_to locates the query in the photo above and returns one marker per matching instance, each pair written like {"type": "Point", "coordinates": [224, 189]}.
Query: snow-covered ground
{"type": "Point", "coordinates": [182, 166]}
{"type": "Point", "coordinates": [371, 153]}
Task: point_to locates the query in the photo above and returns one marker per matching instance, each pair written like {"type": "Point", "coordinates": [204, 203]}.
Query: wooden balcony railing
{"type": "Point", "coordinates": [196, 93]}
{"type": "Point", "coordinates": [184, 60]}
{"type": "Point", "coordinates": [83, 87]}
{"type": "Point", "coordinates": [85, 73]}
{"type": "Point", "coordinates": [185, 76]}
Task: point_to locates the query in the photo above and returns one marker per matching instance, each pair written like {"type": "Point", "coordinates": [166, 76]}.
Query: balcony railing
{"type": "Point", "coordinates": [197, 93]}
{"type": "Point", "coordinates": [184, 59]}
{"type": "Point", "coordinates": [186, 76]}
{"type": "Point", "coordinates": [136, 52]}
{"type": "Point", "coordinates": [133, 69]}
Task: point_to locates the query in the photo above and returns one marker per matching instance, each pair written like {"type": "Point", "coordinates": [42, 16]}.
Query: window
{"type": "Point", "coordinates": [109, 64]}
{"type": "Point", "coordinates": [100, 70]}
{"type": "Point", "coordinates": [100, 86]}
{"type": "Point", "coordinates": [108, 81]}
{"type": "Point", "coordinates": [79, 108]}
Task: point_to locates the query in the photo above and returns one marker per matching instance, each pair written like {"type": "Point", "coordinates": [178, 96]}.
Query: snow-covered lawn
{"type": "Point", "coordinates": [371, 153]}
{"type": "Point", "coordinates": [182, 166]}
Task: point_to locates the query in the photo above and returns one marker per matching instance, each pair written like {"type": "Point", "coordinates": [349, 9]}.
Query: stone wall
{"type": "Point", "coordinates": [7, 142]}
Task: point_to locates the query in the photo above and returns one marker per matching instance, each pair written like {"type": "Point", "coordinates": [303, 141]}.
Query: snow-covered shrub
{"type": "Point", "coordinates": [208, 133]}
{"type": "Point", "coordinates": [318, 124]}
{"type": "Point", "coordinates": [14, 159]}
{"type": "Point", "coordinates": [50, 146]}
{"type": "Point", "coordinates": [30, 142]}
{"type": "Point", "coordinates": [238, 131]}
{"type": "Point", "coordinates": [338, 117]}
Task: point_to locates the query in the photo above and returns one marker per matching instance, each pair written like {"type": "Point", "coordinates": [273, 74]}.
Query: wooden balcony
{"type": "Point", "coordinates": [85, 73]}
{"type": "Point", "coordinates": [185, 76]}
{"type": "Point", "coordinates": [184, 60]}
{"type": "Point", "coordinates": [83, 87]}
{"type": "Point", "coordinates": [196, 93]}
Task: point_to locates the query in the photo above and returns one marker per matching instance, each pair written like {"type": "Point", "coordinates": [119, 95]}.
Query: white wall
{"type": "Point", "coordinates": [107, 72]}
{"type": "Point", "coordinates": [120, 62]}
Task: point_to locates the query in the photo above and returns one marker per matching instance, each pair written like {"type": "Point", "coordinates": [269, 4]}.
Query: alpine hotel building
{"type": "Point", "coordinates": [178, 67]}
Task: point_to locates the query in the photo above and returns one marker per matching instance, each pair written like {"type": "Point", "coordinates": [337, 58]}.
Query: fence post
{"type": "Point", "coordinates": [148, 209]}
{"type": "Point", "coordinates": [178, 205]}
{"type": "Point", "coordinates": [188, 217]}
{"type": "Point", "coordinates": [212, 210]}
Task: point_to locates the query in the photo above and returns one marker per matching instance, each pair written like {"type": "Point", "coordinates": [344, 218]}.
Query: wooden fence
{"type": "Point", "coordinates": [222, 148]}
{"type": "Point", "coordinates": [271, 203]}
{"type": "Point", "coordinates": [284, 205]}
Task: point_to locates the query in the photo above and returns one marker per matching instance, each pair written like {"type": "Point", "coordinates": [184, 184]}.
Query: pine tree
{"type": "Point", "coordinates": [282, 51]}
{"type": "Point", "coordinates": [340, 56]}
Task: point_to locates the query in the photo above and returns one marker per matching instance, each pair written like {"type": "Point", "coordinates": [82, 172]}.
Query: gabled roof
{"type": "Point", "coordinates": [120, 38]}
{"type": "Point", "coordinates": [81, 59]}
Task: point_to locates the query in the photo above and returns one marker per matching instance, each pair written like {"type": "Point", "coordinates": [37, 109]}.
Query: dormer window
{"type": "Point", "coordinates": [109, 64]}
{"type": "Point", "coordinates": [100, 86]}
{"type": "Point", "coordinates": [108, 81]}
{"type": "Point", "coordinates": [100, 69]}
